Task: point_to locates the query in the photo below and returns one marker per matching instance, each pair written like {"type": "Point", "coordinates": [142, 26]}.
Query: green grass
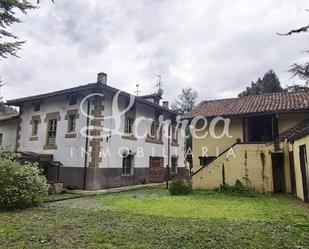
{"type": "Point", "coordinates": [59, 197]}
{"type": "Point", "coordinates": [151, 218]}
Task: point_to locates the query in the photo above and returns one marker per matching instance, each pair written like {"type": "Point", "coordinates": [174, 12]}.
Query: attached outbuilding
{"type": "Point", "coordinates": [264, 144]}
{"type": "Point", "coordinates": [8, 132]}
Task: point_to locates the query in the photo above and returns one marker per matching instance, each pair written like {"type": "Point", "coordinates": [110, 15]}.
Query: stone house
{"type": "Point", "coordinates": [87, 137]}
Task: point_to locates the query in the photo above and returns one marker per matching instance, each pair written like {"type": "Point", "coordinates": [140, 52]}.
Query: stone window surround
{"type": "Point", "coordinates": [152, 140]}
{"type": "Point", "coordinates": [129, 114]}
{"type": "Point", "coordinates": [67, 116]}
{"type": "Point", "coordinates": [49, 116]}
{"type": "Point", "coordinates": [34, 118]}
{"type": "Point", "coordinates": [173, 129]}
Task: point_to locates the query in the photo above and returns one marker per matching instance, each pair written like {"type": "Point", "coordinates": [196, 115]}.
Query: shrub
{"type": "Point", "coordinates": [180, 187]}
{"type": "Point", "coordinates": [237, 189]}
{"type": "Point", "coordinates": [21, 184]}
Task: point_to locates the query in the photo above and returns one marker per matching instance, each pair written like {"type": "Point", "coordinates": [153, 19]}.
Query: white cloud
{"type": "Point", "coordinates": [216, 47]}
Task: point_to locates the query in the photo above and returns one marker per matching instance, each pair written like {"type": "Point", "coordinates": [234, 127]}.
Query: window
{"type": "Point", "coordinates": [174, 135]}
{"type": "Point", "coordinates": [51, 132]}
{"type": "Point", "coordinates": [127, 164]}
{"type": "Point", "coordinates": [35, 126]}
{"type": "Point", "coordinates": [262, 128]}
{"type": "Point", "coordinates": [37, 106]}
{"type": "Point", "coordinates": [155, 132]}
{"type": "Point", "coordinates": [73, 99]}
{"type": "Point", "coordinates": [71, 117]}
{"type": "Point", "coordinates": [174, 162]}
{"type": "Point", "coordinates": [1, 139]}
{"type": "Point", "coordinates": [35, 122]}
{"type": "Point", "coordinates": [71, 123]}
{"type": "Point", "coordinates": [129, 121]}
{"type": "Point", "coordinates": [129, 125]}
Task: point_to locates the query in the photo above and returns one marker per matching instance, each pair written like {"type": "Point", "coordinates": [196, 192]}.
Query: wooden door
{"type": "Point", "coordinates": [278, 172]}
{"type": "Point", "coordinates": [156, 169]}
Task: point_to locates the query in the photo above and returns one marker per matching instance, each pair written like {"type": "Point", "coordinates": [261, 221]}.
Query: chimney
{"type": "Point", "coordinates": [165, 104]}
{"type": "Point", "coordinates": [102, 78]}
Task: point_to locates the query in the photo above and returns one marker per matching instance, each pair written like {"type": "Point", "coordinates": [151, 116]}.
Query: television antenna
{"type": "Point", "coordinates": [137, 89]}
{"type": "Point", "coordinates": [159, 84]}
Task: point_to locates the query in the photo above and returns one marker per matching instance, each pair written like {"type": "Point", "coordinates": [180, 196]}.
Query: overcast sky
{"type": "Point", "coordinates": [215, 47]}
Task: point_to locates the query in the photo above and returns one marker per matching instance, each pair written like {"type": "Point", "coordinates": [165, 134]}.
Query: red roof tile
{"type": "Point", "coordinates": [263, 103]}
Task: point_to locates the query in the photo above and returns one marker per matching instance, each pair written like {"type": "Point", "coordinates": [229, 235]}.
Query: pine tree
{"type": "Point", "coordinates": [9, 43]}
{"type": "Point", "coordinates": [270, 83]}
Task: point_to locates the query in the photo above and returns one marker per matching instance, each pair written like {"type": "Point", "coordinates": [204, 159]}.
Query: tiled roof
{"type": "Point", "coordinates": [96, 87]}
{"type": "Point", "coordinates": [7, 118]}
{"type": "Point", "coordinates": [263, 103]}
{"type": "Point", "coordinates": [296, 132]}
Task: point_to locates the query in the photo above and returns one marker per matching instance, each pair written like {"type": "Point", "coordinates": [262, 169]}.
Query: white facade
{"type": "Point", "coordinates": [142, 149]}
{"type": "Point", "coordinates": [71, 151]}
{"type": "Point", "coordinates": [8, 135]}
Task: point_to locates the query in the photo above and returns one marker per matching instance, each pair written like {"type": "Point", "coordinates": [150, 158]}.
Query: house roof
{"type": "Point", "coordinates": [7, 118]}
{"type": "Point", "coordinates": [262, 104]}
{"type": "Point", "coordinates": [296, 132]}
{"type": "Point", "coordinates": [90, 86]}
{"type": "Point", "coordinates": [19, 101]}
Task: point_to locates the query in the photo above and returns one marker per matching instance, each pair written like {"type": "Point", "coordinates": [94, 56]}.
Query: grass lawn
{"type": "Point", "coordinates": [150, 218]}
{"type": "Point", "coordinates": [60, 197]}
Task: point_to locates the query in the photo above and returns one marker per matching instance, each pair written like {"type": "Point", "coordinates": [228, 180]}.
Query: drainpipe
{"type": "Point", "coordinates": [168, 155]}
{"type": "Point", "coordinates": [86, 145]}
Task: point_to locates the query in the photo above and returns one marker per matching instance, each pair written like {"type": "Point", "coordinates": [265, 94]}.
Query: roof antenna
{"type": "Point", "coordinates": [137, 91]}
{"type": "Point", "coordinates": [159, 85]}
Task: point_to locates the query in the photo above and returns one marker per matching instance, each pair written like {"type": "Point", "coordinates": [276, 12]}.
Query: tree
{"type": "Point", "coordinates": [299, 70]}
{"type": "Point", "coordinates": [9, 43]}
{"type": "Point", "coordinates": [185, 101]}
{"type": "Point", "coordinates": [297, 88]}
{"type": "Point", "coordinates": [297, 30]}
{"type": "Point", "coordinates": [5, 110]}
{"type": "Point", "coordinates": [184, 104]}
{"type": "Point", "coordinates": [8, 18]}
{"type": "Point", "coordinates": [270, 83]}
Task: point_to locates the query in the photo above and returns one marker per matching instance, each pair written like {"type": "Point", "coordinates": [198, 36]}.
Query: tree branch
{"type": "Point", "coordinates": [294, 31]}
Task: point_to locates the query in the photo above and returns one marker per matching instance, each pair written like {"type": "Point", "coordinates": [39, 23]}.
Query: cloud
{"type": "Point", "coordinates": [215, 47]}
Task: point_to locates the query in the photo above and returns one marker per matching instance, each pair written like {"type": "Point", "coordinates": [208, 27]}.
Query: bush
{"type": "Point", "coordinates": [238, 189]}
{"type": "Point", "coordinates": [21, 184]}
{"type": "Point", "coordinates": [180, 187]}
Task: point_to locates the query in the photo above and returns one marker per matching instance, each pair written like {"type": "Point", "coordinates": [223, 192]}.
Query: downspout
{"type": "Point", "coordinates": [86, 145]}
{"type": "Point", "coordinates": [168, 155]}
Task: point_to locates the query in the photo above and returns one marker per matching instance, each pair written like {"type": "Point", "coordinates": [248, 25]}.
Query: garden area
{"type": "Point", "coordinates": [152, 218]}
